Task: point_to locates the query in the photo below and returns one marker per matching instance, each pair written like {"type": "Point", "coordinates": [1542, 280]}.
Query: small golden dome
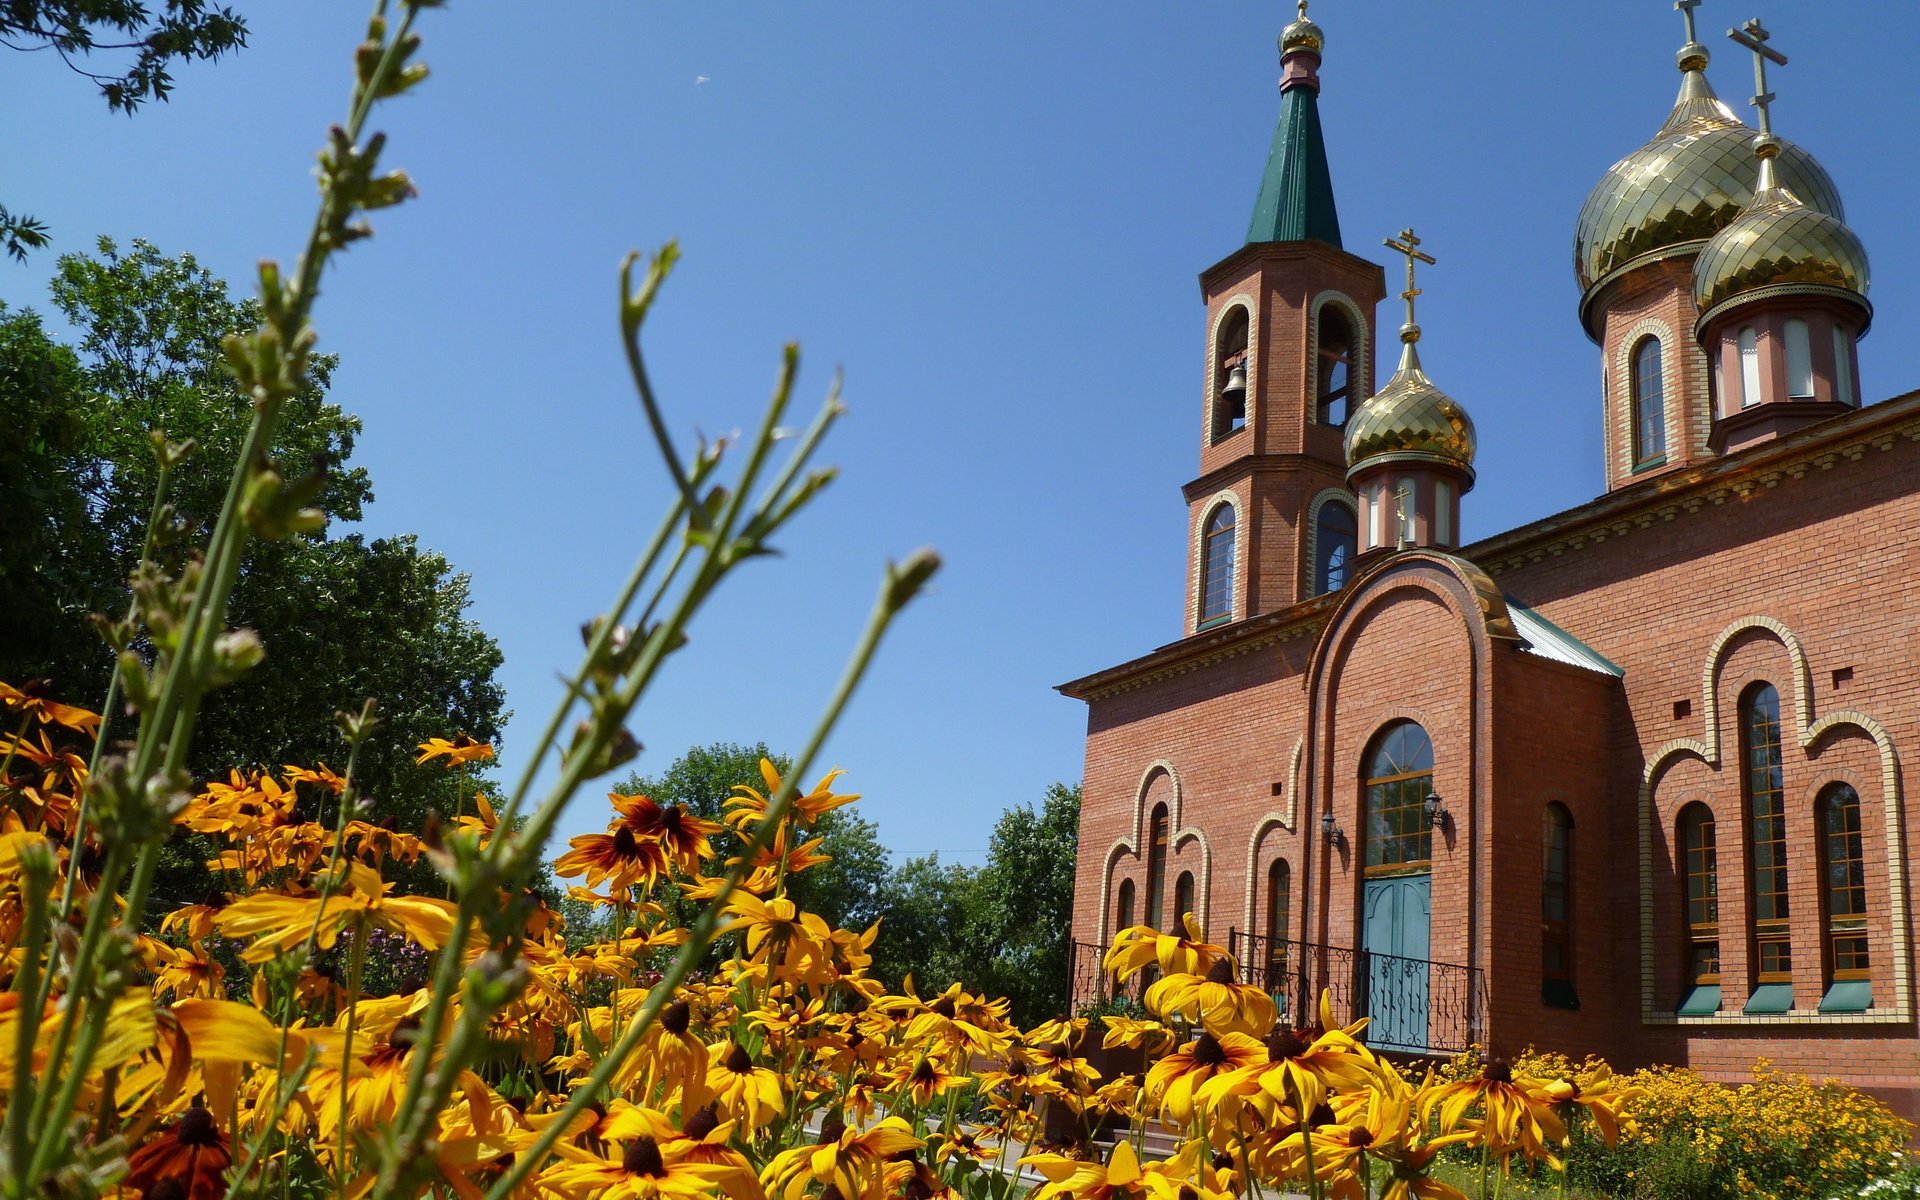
{"type": "Point", "coordinates": [1302, 35]}
{"type": "Point", "coordinates": [1410, 420]}
{"type": "Point", "coordinates": [1686, 184]}
{"type": "Point", "coordinates": [1778, 242]}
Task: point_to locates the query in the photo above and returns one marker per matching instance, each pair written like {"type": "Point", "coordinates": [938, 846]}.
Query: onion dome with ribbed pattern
{"type": "Point", "coordinates": [1684, 186]}
{"type": "Point", "coordinates": [1410, 420]}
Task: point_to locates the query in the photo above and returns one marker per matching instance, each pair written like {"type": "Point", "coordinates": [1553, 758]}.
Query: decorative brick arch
{"type": "Point", "coordinates": [1360, 371]}
{"type": "Point", "coordinates": [1809, 731]}
{"type": "Point", "coordinates": [1236, 606]}
{"type": "Point", "coordinates": [1310, 539]}
{"type": "Point", "coordinates": [1619, 425]}
{"type": "Point", "coordinates": [1277, 818]}
{"type": "Point", "coordinates": [1237, 300]}
{"type": "Point", "coordinates": [1178, 833]}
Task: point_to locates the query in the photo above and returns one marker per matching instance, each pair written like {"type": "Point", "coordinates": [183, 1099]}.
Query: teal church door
{"type": "Point", "coordinates": [1398, 914]}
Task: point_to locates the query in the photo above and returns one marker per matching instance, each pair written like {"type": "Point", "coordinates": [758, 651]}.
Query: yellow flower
{"type": "Point", "coordinates": [619, 859]}
{"type": "Point", "coordinates": [1143, 946]}
{"type": "Point", "coordinates": [32, 698]}
{"type": "Point", "coordinates": [748, 805]}
{"type": "Point", "coordinates": [684, 835]}
{"type": "Point", "coordinates": [1217, 1000]}
{"type": "Point", "coordinates": [1517, 1113]}
{"type": "Point", "coordinates": [277, 923]}
{"type": "Point", "coordinates": [738, 1089]}
{"type": "Point", "coordinates": [641, 1172]}
{"type": "Point", "coordinates": [1075, 1179]}
{"type": "Point", "coordinates": [1305, 1065]}
{"type": "Point", "coordinates": [458, 752]}
{"type": "Point", "coordinates": [1171, 1082]}
{"type": "Point", "coordinates": [847, 1159]}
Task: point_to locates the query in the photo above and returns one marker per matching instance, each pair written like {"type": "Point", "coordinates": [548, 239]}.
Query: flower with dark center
{"type": "Point", "coordinates": [1321, 1115]}
{"type": "Point", "coordinates": [1221, 971]}
{"type": "Point", "coordinates": [1172, 1083]}
{"type": "Point", "coordinates": [701, 1123]}
{"type": "Point", "coordinates": [943, 1006]}
{"type": "Point", "coordinates": [1287, 1043]}
{"type": "Point", "coordinates": [676, 1017]}
{"type": "Point", "coordinates": [1207, 1051]}
{"type": "Point", "coordinates": [643, 1158]}
{"type": "Point", "coordinates": [1498, 1070]}
{"type": "Point", "coordinates": [188, 1162]}
{"type": "Point", "coordinates": [832, 1130]}
{"type": "Point", "coordinates": [619, 859]}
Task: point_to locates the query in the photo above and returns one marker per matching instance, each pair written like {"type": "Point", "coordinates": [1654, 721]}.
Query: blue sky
{"type": "Point", "coordinates": [992, 215]}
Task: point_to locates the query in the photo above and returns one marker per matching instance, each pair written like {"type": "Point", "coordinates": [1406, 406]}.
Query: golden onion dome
{"type": "Point", "coordinates": [1681, 188]}
{"type": "Point", "coordinates": [1778, 244]}
{"type": "Point", "coordinates": [1411, 420]}
{"type": "Point", "coordinates": [1302, 35]}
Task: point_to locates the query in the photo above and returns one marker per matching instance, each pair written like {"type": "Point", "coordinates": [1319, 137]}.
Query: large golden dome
{"type": "Point", "coordinates": [1410, 420]}
{"type": "Point", "coordinates": [1682, 187]}
{"type": "Point", "coordinates": [1779, 244]}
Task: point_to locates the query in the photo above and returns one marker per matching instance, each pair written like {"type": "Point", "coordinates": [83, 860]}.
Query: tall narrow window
{"type": "Point", "coordinates": [1799, 360]}
{"type": "Point", "coordinates": [1700, 864]}
{"type": "Point", "coordinates": [1334, 537]}
{"type": "Point", "coordinates": [1766, 833]}
{"type": "Point", "coordinates": [1399, 776]}
{"type": "Point", "coordinates": [1649, 403]}
{"type": "Point", "coordinates": [1333, 388]}
{"type": "Point", "coordinates": [1216, 567]}
{"type": "Point", "coordinates": [1230, 369]}
{"type": "Point", "coordinates": [1279, 885]}
{"type": "Point", "coordinates": [1182, 899]}
{"type": "Point", "coordinates": [1556, 907]}
{"type": "Point", "coordinates": [1843, 865]}
{"type": "Point", "coordinates": [1442, 513]}
{"type": "Point", "coordinates": [1843, 367]}
{"type": "Point", "coordinates": [1749, 344]}
{"type": "Point", "coordinates": [1123, 907]}
{"type": "Point", "coordinates": [1156, 865]}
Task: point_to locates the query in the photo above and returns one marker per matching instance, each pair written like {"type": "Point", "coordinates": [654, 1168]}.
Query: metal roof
{"type": "Point", "coordinates": [1541, 636]}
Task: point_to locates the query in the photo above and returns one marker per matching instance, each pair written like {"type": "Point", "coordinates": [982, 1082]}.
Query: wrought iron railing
{"type": "Point", "coordinates": [1416, 1006]}
{"type": "Point", "coordinates": [1089, 983]}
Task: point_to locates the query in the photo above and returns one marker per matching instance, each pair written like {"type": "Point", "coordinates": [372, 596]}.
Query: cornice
{"type": "Point", "coordinates": [1248, 465]}
{"type": "Point", "coordinates": [1824, 446]}
{"type": "Point", "coordinates": [1204, 649]}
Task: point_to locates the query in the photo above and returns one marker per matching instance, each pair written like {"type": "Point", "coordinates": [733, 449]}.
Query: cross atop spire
{"type": "Point", "coordinates": [1303, 8]}
{"type": "Point", "coordinates": [1408, 245]}
{"type": "Point", "coordinates": [1754, 37]}
{"type": "Point", "coordinates": [1685, 8]}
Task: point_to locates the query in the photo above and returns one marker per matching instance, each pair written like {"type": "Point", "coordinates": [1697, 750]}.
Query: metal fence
{"type": "Point", "coordinates": [1414, 1006]}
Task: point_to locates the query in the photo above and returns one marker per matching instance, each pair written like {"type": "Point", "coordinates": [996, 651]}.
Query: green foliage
{"type": "Point", "coordinates": [924, 929]}
{"type": "Point", "coordinates": [343, 617]}
{"type": "Point", "coordinates": [1019, 915]}
{"type": "Point", "coordinates": [183, 30]}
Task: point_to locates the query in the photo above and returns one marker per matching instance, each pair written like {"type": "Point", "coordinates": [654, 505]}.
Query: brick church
{"type": "Point", "coordinates": [1627, 779]}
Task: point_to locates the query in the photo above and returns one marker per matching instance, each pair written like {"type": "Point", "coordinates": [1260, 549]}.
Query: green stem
{"type": "Point", "coordinates": [27, 985]}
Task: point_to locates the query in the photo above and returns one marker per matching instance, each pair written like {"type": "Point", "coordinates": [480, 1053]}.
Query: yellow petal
{"type": "Point", "coordinates": [1124, 1167]}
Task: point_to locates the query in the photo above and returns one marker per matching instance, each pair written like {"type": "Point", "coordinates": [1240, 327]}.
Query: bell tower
{"type": "Point", "coordinates": [1289, 357]}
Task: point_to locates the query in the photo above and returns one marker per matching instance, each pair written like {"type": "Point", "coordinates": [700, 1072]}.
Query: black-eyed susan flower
{"type": "Point", "coordinates": [1306, 1063]}
{"type": "Point", "coordinates": [276, 923]}
{"type": "Point", "coordinates": [749, 805]}
{"type": "Point", "coordinates": [1217, 1000]}
{"type": "Point", "coordinates": [1517, 1113]}
{"type": "Point", "coordinates": [458, 752]}
{"type": "Point", "coordinates": [638, 1172]}
{"type": "Point", "coordinates": [189, 1160]}
{"type": "Point", "coordinates": [1142, 946]}
{"type": "Point", "coordinates": [686, 837]}
{"type": "Point", "coordinates": [845, 1158]}
{"type": "Point", "coordinates": [1172, 1081]}
{"type": "Point", "coordinates": [619, 859]}
{"type": "Point", "coordinates": [739, 1089]}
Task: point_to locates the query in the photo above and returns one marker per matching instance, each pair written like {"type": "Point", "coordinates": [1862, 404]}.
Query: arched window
{"type": "Point", "coordinates": [1843, 869]}
{"type": "Point", "coordinates": [1333, 386]}
{"type": "Point", "coordinates": [1334, 538]}
{"type": "Point", "coordinates": [1699, 863]}
{"type": "Point", "coordinates": [1230, 369]}
{"type": "Point", "coordinates": [1123, 907]}
{"type": "Point", "coordinates": [1399, 777]}
{"type": "Point", "coordinates": [1843, 366]}
{"type": "Point", "coordinates": [1766, 834]}
{"type": "Point", "coordinates": [1556, 907]}
{"type": "Point", "coordinates": [1649, 403]}
{"type": "Point", "coordinates": [1799, 359]}
{"type": "Point", "coordinates": [1749, 343]}
{"type": "Point", "coordinates": [1279, 885]}
{"type": "Point", "coordinates": [1156, 866]}
{"type": "Point", "coordinates": [1216, 567]}
{"type": "Point", "coordinates": [1182, 899]}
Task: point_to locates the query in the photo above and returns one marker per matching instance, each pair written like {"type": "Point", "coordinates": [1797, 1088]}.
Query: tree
{"type": "Point", "coordinates": [1020, 909]}
{"type": "Point", "coordinates": [342, 617]}
{"type": "Point", "coordinates": [183, 30]}
{"type": "Point", "coordinates": [923, 927]}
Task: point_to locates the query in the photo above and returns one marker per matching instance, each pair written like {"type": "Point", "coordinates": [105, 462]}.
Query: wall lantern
{"type": "Point", "coordinates": [1437, 814]}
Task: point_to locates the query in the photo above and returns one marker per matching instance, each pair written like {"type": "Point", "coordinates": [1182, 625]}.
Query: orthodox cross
{"type": "Point", "coordinates": [1406, 245]}
{"type": "Point", "coordinates": [1686, 8]}
{"type": "Point", "coordinates": [1754, 37]}
{"type": "Point", "coordinates": [1400, 517]}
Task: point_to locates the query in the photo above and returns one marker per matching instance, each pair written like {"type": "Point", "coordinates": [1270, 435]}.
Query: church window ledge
{"type": "Point", "coordinates": [1769, 998]}
{"type": "Point", "coordinates": [1847, 996]}
{"type": "Point", "coordinates": [1213, 622]}
{"type": "Point", "coordinates": [1658, 460]}
{"type": "Point", "coordinates": [1701, 1001]}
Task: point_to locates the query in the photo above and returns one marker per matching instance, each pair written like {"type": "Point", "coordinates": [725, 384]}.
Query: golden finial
{"type": "Point", "coordinates": [1303, 8]}
{"type": "Point", "coordinates": [1754, 37]}
{"type": "Point", "coordinates": [1407, 245]}
{"type": "Point", "coordinates": [1302, 34]}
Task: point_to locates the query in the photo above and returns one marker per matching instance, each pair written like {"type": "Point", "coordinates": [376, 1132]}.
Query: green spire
{"type": "Point", "coordinates": [1296, 193]}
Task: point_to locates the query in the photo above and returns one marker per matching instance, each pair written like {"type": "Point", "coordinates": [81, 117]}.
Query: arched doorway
{"type": "Point", "coordinates": [1396, 899]}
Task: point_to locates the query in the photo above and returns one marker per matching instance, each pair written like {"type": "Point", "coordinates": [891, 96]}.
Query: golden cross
{"type": "Point", "coordinates": [1686, 8]}
{"type": "Point", "coordinates": [1406, 245]}
{"type": "Point", "coordinates": [1754, 37]}
{"type": "Point", "coordinates": [1303, 8]}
